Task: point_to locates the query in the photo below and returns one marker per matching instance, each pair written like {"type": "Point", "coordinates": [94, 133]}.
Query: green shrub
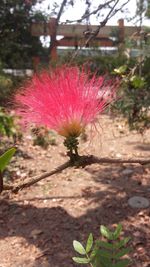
{"type": "Point", "coordinates": [102, 64]}
{"type": "Point", "coordinates": [5, 87]}
{"type": "Point", "coordinates": [111, 251]}
{"type": "Point", "coordinates": [7, 125]}
{"type": "Point", "coordinates": [134, 100]}
{"type": "Point", "coordinates": [8, 84]}
{"type": "Point", "coordinates": [43, 137]}
{"type": "Point", "coordinates": [4, 160]}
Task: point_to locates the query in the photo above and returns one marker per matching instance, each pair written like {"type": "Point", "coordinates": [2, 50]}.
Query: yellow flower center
{"type": "Point", "coordinates": [73, 128]}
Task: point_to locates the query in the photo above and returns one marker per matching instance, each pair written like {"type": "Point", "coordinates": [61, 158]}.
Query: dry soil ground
{"type": "Point", "coordinates": [38, 225]}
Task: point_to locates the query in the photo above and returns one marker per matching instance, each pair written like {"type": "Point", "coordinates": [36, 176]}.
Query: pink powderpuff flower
{"type": "Point", "coordinates": [64, 100]}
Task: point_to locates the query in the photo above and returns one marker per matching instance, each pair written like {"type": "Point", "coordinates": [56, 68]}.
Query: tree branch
{"type": "Point", "coordinates": [1, 182]}
{"type": "Point", "coordinates": [32, 181]}
{"type": "Point", "coordinates": [110, 14]}
{"type": "Point", "coordinates": [94, 12]}
{"type": "Point", "coordinates": [53, 42]}
{"type": "Point", "coordinates": [63, 4]}
{"type": "Point", "coordinates": [82, 162]}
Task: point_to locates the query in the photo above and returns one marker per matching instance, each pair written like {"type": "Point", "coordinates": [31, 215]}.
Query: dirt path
{"type": "Point", "coordinates": [38, 225]}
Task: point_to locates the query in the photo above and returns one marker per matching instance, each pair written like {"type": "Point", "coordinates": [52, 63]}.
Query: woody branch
{"type": "Point", "coordinates": [113, 9]}
{"type": "Point", "coordinates": [82, 162]}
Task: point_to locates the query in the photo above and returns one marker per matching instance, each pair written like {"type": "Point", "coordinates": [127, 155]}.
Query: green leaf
{"type": "Point", "coordinates": [106, 233]}
{"type": "Point", "coordinates": [117, 231]}
{"type": "Point", "coordinates": [105, 254]}
{"type": "Point", "coordinates": [104, 244]}
{"type": "Point", "coordinates": [122, 243]}
{"type": "Point", "coordinates": [79, 248]}
{"type": "Point", "coordinates": [6, 157]}
{"type": "Point", "coordinates": [137, 81]}
{"type": "Point", "coordinates": [94, 253]}
{"type": "Point", "coordinates": [121, 70]}
{"type": "Point", "coordinates": [121, 253]}
{"type": "Point", "coordinates": [100, 261]}
{"type": "Point", "coordinates": [89, 243]}
{"type": "Point", "coordinates": [104, 262]}
{"type": "Point", "coordinates": [81, 260]}
{"type": "Point", "coordinates": [122, 263]}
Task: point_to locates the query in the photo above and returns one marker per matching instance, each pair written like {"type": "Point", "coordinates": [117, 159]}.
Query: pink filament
{"type": "Point", "coordinates": [67, 94]}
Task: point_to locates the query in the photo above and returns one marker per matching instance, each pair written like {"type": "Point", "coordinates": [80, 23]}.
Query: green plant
{"type": "Point", "coordinates": [97, 63]}
{"type": "Point", "coordinates": [43, 137]}
{"type": "Point", "coordinates": [4, 160]}
{"type": "Point", "coordinates": [108, 252]}
{"type": "Point", "coordinates": [134, 100]}
{"type": "Point", "coordinates": [7, 125]}
{"type": "Point", "coordinates": [6, 85]}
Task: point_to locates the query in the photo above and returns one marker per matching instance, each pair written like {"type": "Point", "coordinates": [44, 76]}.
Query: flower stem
{"type": "Point", "coordinates": [71, 142]}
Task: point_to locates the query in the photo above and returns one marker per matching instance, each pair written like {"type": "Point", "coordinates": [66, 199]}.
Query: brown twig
{"type": "Point", "coordinates": [1, 182]}
{"type": "Point", "coordinates": [54, 34]}
{"type": "Point", "coordinates": [110, 14]}
{"type": "Point", "coordinates": [112, 11]}
{"type": "Point", "coordinates": [92, 160]}
{"type": "Point", "coordinates": [18, 187]}
{"type": "Point", "coordinates": [94, 12]}
{"type": "Point", "coordinates": [82, 162]}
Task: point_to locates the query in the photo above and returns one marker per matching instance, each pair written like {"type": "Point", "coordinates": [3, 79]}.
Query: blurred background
{"type": "Point", "coordinates": [112, 38]}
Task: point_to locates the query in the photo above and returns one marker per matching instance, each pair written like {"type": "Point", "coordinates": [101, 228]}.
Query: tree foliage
{"type": "Point", "coordinates": [108, 252]}
{"type": "Point", "coordinates": [143, 9]}
{"type": "Point", "coordinates": [148, 9]}
{"type": "Point", "coordinates": [18, 46]}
